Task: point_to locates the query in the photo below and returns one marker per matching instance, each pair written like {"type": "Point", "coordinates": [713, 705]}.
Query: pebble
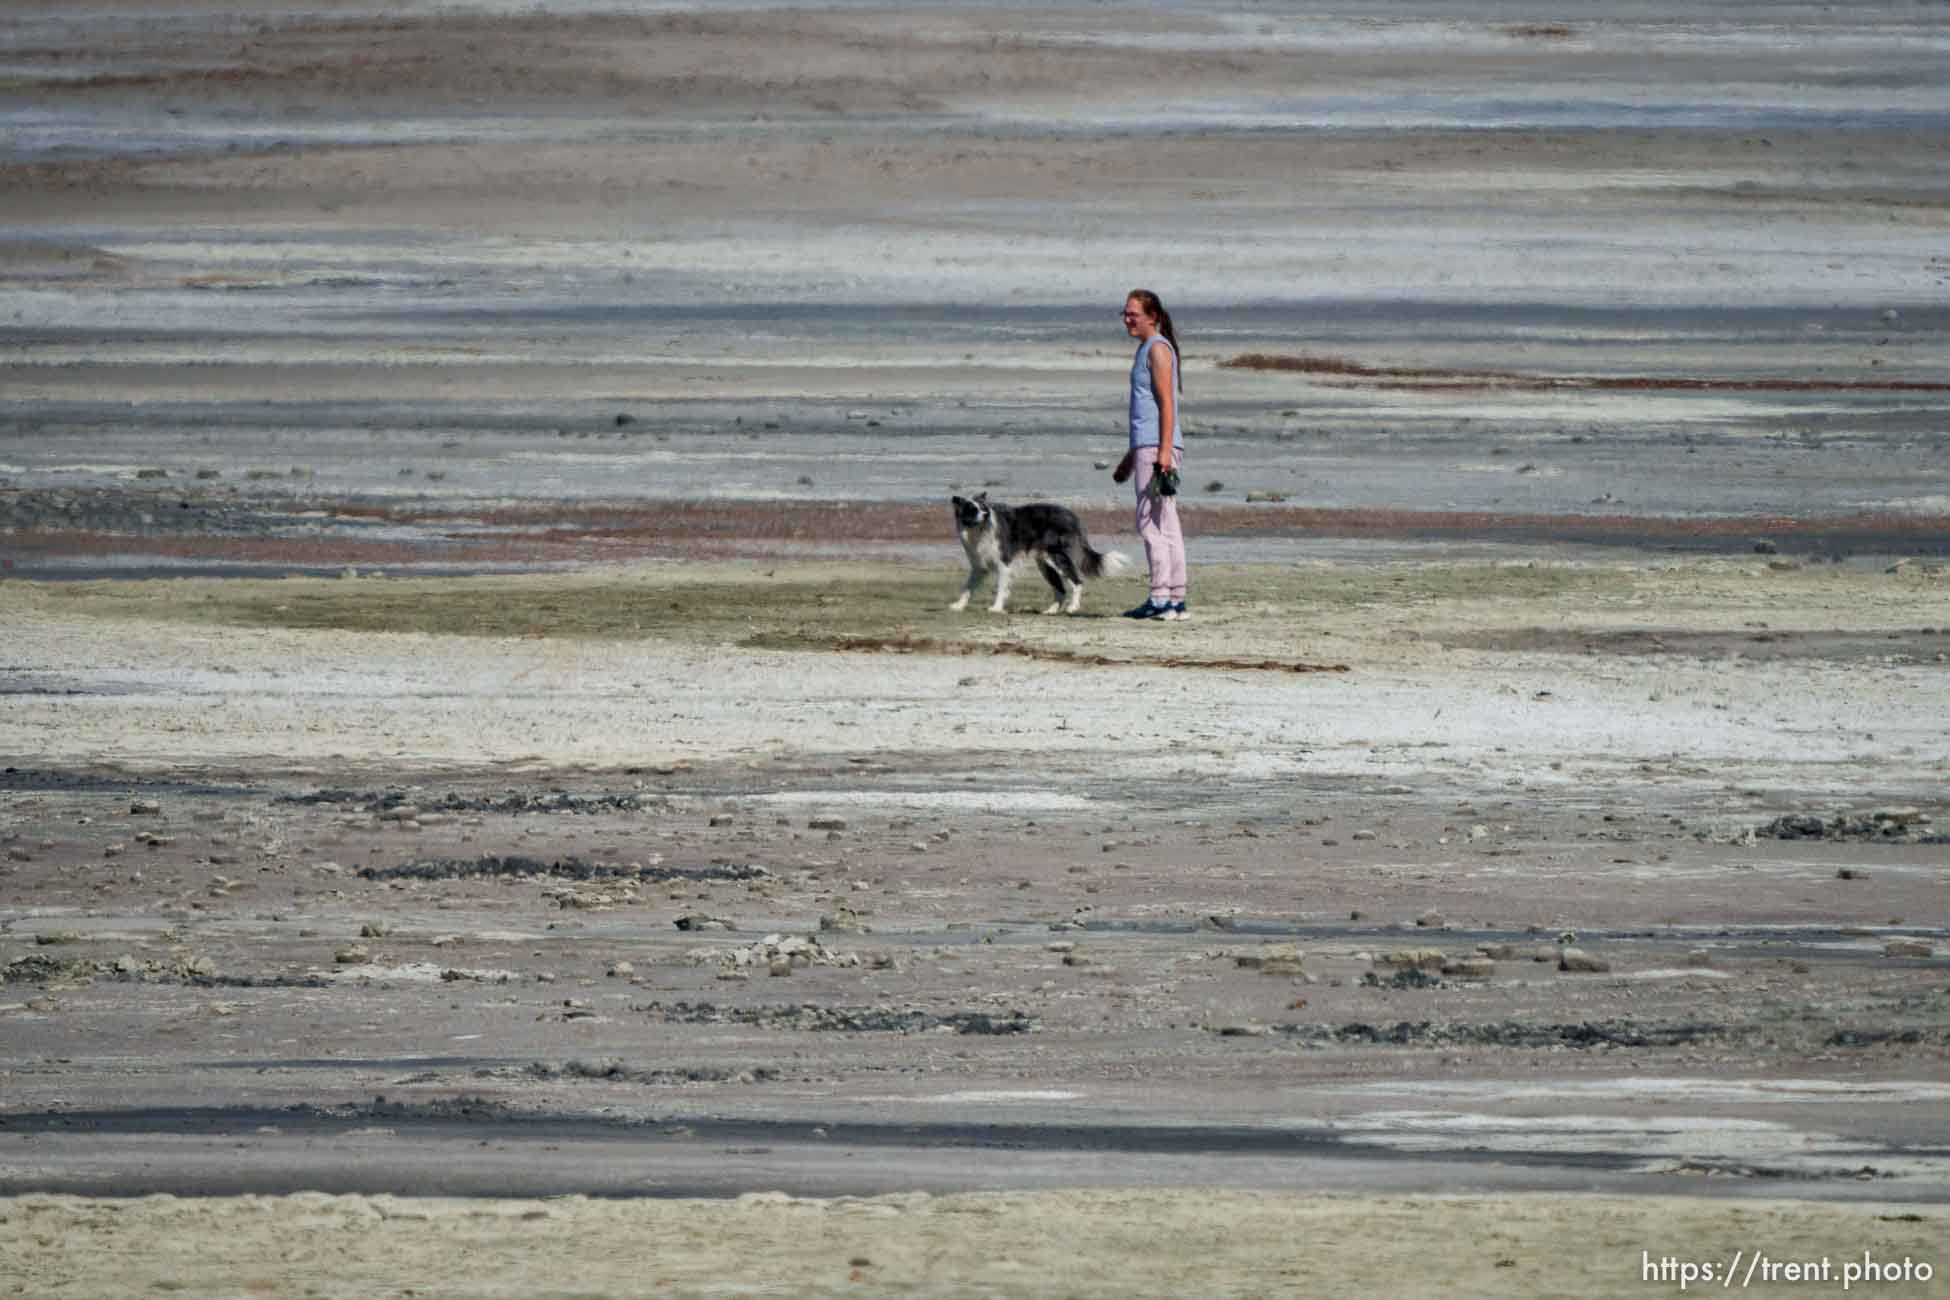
{"type": "Point", "coordinates": [1908, 948]}
{"type": "Point", "coordinates": [1480, 968]}
{"type": "Point", "coordinates": [622, 970]}
{"type": "Point", "coordinates": [1430, 921]}
{"type": "Point", "coordinates": [144, 807]}
{"type": "Point", "coordinates": [352, 955]}
{"type": "Point", "coordinates": [1577, 959]}
{"type": "Point", "coordinates": [826, 824]}
{"type": "Point", "coordinates": [699, 921]}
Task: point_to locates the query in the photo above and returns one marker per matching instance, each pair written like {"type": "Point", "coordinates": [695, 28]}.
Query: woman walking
{"type": "Point", "coordinates": [1157, 450]}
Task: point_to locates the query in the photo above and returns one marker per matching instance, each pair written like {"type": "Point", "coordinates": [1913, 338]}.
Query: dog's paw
{"type": "Point", "coordinates": [960, 605]}
{"type": "Point", "coordinates": [998, 609]}
{"type": "Point", "coordinates": [1057, 608]}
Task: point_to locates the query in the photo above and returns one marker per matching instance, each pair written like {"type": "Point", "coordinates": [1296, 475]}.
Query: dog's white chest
{"type": "Point", "coordinates": [984, 550]}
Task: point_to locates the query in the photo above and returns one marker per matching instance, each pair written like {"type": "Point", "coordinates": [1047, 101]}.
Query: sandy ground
{"type": "Point", "coordinates": [971, 1245]}
{"type": "Point", "coordinates": [495, 803]}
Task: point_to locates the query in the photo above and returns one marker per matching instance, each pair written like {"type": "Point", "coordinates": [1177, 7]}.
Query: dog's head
{"type": "Point", "coordinates": [972, 513]}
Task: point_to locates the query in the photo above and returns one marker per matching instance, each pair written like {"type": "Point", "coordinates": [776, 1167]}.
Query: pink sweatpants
{"type": "Point", "coordinates": [1157, 524]}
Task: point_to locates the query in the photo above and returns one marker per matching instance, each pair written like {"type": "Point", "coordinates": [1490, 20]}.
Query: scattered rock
{"type": "Point", "coordinates": [826, 824]}
{"type": "Point", "coordinates": [1476, 968]}
{"type": "Point", "coordinates": [804, 1016]}
{"type": "Point", "coordinates": [1505, 1033]}
{"type": "Point", "coordinates": [458, 974]}
{"type": "Point", "coordinates": [1578, 960]}
{"type": "Point", "coordinates": [794, 950]}
{"type": "Point", "coordinates": [352, 955]}
{"type": "Point", "coordinates": [1899, 825]}
{"type": "Point", "coordinates": [1430, 960]}
{"type": "Point", "coordinates": [1908, 948]}
{"type": "Point", "coordinates": [699, 921]}
{"type": "Point", "coordinates": [1414, 977]}
{"type": "Point", "coordinates": [566, 869]}
{"type": "Point", "coordinates": [1240, 1029]}
{"type": "Point", "coordinates": [621, 970]}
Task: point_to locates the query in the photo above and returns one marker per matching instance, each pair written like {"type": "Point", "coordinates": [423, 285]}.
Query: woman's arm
{"type": "Point", "coordinates": [1167, 391]}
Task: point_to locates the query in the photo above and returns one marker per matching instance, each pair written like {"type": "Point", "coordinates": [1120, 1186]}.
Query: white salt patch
{"type": "Point", "coordinates": [1682, 1135]}
{"type": "Point", "coordinates": [1677, 973]}
{"type": "Point", "coordinates": [1666, 1088]}
{"type": "Point", "coordinates": [955, 800]}
{"type": "Point", "coordinates": [979, 1097]}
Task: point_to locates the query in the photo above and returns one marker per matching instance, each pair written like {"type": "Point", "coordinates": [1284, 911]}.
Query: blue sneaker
{"type": "Point", "coordinates": [1151, 608]}
{"type": "Point", "coordinates": [1177, 612]}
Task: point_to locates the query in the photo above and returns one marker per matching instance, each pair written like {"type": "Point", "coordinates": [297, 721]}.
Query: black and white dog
{"type": "Point", "coordinates": [996, 536]}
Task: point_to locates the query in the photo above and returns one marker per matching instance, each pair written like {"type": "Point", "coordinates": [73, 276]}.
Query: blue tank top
{"type": "Point", "coordinates": [1144, 399]}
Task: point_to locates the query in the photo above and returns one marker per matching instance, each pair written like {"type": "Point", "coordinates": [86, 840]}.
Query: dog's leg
{"type": "Point", "coordinates": [1054, 578]}
{"type": "Point", "coordinates": [1066, 582]}
{"type": "Point", "coordinates": [969, 588]}
{"type": "Point", "coordinates": [1001, 604]}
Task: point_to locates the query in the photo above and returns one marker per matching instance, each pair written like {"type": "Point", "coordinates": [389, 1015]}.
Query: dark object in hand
{"type": "Point", "coordinates": [1167, 482]}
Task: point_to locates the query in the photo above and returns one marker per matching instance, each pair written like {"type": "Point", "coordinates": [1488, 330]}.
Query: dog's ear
{"type": "Point", "coordinates": [982, 498]}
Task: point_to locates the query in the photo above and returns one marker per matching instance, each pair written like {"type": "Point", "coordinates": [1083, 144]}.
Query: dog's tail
{"type": "Point", "coordinates": [1097, 563]}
